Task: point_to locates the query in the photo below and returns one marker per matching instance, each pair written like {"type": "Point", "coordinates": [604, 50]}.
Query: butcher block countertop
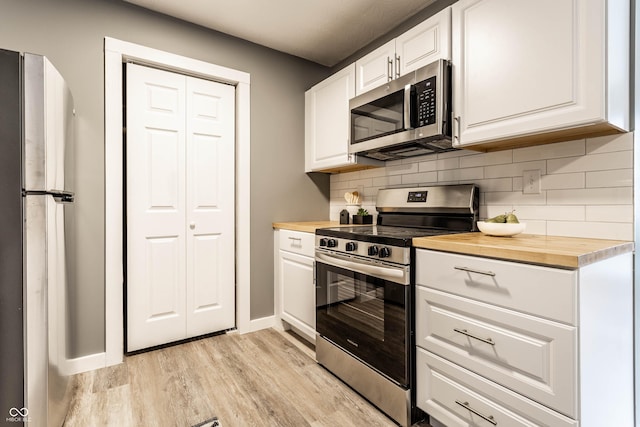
{"type": "Point", "coordinates": [555, 251]}
{"type": "Point", "coordinates": [307, 226]}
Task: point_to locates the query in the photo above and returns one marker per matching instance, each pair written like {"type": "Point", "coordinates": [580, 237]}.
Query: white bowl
{"type": "Point", "coordinates": [501, 229]}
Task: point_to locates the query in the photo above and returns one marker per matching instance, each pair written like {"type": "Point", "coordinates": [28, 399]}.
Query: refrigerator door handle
{"type": "Point", "coordinates": [60, 197]}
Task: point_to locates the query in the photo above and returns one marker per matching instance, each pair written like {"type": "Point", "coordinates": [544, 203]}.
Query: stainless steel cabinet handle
{"type": "Point", "coordinates": [397, 66]}
{"type": "Point", "coordinates": [475, 337]}
{"type": "Point", "coordinates": [389, 69]}
{"type": "Point", "coordinates": [456, 131]}
{"type": "Point", "coordinates": [488, 418]}
{"type": "Point", "coordinates": [296, 241]}
{"type": "Point", "coordinates": [473, 270]}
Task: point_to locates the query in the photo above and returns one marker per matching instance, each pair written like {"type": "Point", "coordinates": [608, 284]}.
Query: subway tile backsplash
{"type": "Point", "coordinates": [586, 185]}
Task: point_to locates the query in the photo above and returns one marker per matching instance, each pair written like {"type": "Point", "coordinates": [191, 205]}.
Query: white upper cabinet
{"type": "Point", "coordinates": [527, 73]}
{"type": "Point", "coordinates": [376, 68]}
{"type": "Point", "coordinates": [327, 121]}
{"type": "Point", "coordinates": [326, 125]}
{"type": "Point", "coordinates": [425, 43]}
{"type": "Point", "coordinates": [421, 45]}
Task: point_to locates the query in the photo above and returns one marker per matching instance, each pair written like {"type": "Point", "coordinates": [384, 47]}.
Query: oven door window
{"type": "Point", "coordinates": [366, 316]}
{"type": "Point", "coordinates": [382, 116]}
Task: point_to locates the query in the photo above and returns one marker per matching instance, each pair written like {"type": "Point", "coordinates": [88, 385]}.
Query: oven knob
{"type": "Point", "coordinates": [323, 242]}
{"type": "Point", "coordinates": [385, 252]}
{"type": "Point", "coordinates": [351, 246]}
{"type": "Point", "coordinates": [332, 243]}
{"type": "Point", "coordinates": [373, 250]}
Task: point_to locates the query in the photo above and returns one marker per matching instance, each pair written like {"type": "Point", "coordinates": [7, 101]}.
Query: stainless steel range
{"type": "Point", "coordinates": [365, 291]}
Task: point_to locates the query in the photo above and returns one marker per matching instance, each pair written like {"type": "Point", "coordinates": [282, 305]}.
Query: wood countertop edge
{"type": "Point", "coordinates": [511, 252]}
{"type": "Point", "coordinates": [307, 226]}
{"type": "Point", "coordinates": [299, 226]}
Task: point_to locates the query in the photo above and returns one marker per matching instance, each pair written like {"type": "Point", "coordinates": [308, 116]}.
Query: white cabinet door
{"type": "Point", "coordinates": [298, 292]}
{"type": "Point", "coordinates": [327, 121]}
{"type": "Point", "coordinates": [376, 68]}
{"type": "Point", "coordinates": [180, 207]}
{"type": "Point", "coordinates": [425, 43]}
{"type": "Point", "coordinates": [524, 68]}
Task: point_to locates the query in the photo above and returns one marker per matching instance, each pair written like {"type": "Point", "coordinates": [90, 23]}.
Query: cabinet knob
{"type": "Point", "coordinates": [192, 225]}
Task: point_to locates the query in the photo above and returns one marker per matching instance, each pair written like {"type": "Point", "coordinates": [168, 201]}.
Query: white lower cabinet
{"type": "Point", "coordinates": [512, 344]}
{"type": "Point", "coordinates": [295, 289]}
{"type": "Point", "coordinates": [519, 351]}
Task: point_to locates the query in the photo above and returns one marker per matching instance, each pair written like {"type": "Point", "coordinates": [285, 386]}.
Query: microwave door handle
{"type": "Point", "coordinates": [407, 107]}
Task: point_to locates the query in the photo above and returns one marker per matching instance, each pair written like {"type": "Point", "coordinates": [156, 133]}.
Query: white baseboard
{"type": "Point", "coordinates": [87, 363]}
{"type": "Point", "coordinates": [92, 362]}
{"type": "Point", "coordinates": [258, 324]}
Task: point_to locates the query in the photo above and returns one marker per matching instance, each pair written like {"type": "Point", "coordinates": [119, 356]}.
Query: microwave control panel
{"type": "Point", "coordinates": [426, 102]}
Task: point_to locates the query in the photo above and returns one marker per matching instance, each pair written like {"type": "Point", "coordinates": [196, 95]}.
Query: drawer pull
{"type": "Point", "coordinates": [489, 418]}
{"type": "Point", "coordinates": [296, 241]}
{"type": "Point", "coordinates": [475, 337]}
{"type": "Point", "coordinates": [473, 270]}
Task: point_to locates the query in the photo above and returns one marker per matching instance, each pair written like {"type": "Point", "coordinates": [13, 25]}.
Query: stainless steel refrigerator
{"type": "Point", "coordinates": [36, 241]}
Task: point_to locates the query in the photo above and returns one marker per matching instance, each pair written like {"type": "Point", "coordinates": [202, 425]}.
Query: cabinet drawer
{"type": "Point", "coordinates": [530, 355]}
{"type": "Point", "coordinates": [541, 291]}
{"type": "Point", "coordinates": [457, 397]}
{"type": "Point", "coordinates": [297, 241]}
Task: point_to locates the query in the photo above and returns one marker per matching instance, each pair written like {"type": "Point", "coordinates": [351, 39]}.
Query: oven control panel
{"type": "Point", "coordinates": [417, 197]}
{"type": "Point", "coordinates": [371, 251]}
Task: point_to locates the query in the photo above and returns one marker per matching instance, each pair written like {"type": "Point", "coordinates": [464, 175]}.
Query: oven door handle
{"type": "Point", "coordinates": [372, 270]}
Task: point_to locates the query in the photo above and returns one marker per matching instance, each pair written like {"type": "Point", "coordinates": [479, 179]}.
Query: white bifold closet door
{"type": "Point", "coordinates": [180, 196]}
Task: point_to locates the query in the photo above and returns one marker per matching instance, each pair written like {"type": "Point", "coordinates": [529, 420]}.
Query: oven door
{"type": "Point", "coordinates": [365, 314]}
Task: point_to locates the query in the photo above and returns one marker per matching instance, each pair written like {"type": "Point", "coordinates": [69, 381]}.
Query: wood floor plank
{"type": "Point", "coordinates": [113, 376]}
{"type": "Point", "coordinates": [264, 378]}
{"type": "Point", "coordinates": [150, 401]}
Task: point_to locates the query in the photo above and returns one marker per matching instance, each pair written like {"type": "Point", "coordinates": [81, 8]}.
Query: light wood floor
{"type": "Point", "coordinates": [265, 378]}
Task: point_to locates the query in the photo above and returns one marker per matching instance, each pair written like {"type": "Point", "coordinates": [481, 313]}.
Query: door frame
{"type": "Point", "coordinates": [116, 52]}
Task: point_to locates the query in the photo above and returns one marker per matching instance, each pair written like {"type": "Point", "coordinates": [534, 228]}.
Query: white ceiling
{"type": "Point", "coordinates": [322, 31]}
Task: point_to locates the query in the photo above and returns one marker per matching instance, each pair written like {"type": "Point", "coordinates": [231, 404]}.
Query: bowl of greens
{"type": "Point", "coordinates": [504, 225]}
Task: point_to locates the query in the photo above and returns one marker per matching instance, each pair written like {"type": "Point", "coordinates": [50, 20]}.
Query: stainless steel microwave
{"type": "Point", "coordinates": [409, 116]}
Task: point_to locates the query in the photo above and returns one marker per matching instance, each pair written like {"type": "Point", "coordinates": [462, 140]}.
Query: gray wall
{"type": "Point", "coordinates": [419, 17]}
{"type": "Point", "coordinates": [71, 32]}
